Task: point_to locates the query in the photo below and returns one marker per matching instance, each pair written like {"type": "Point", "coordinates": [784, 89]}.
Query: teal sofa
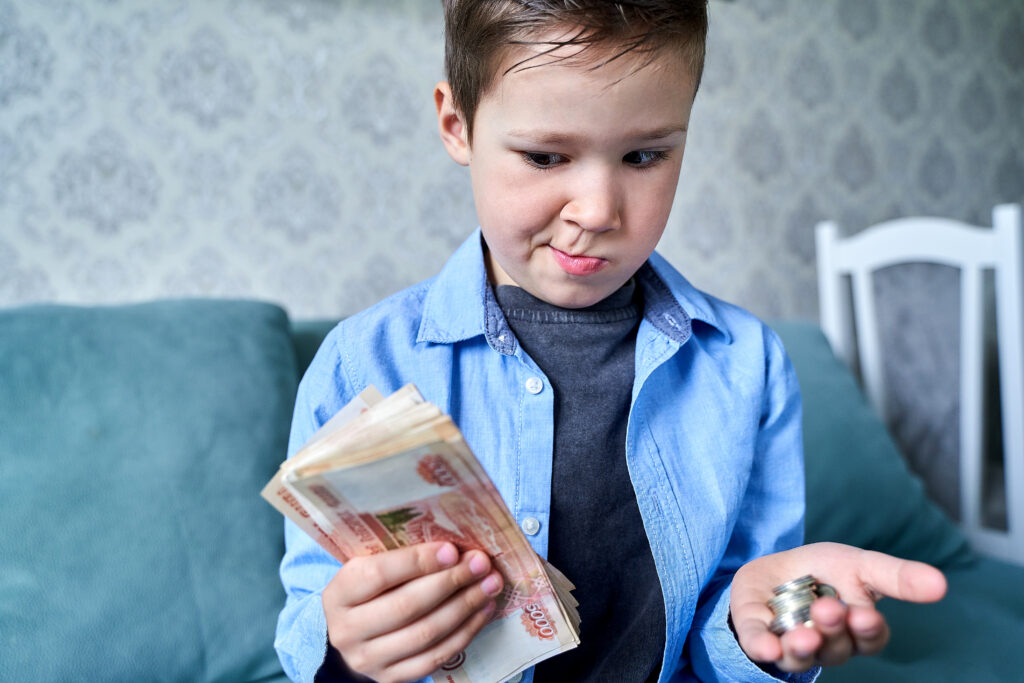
{"type": "Point", "coordinates": [134, 441]}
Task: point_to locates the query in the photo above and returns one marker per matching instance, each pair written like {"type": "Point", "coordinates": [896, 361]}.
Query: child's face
{"type": "Point", "coordinates": [574, 168]}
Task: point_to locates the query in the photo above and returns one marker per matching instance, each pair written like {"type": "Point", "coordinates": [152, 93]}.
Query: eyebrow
{"type": "Point", "coordinates": [559, 138]}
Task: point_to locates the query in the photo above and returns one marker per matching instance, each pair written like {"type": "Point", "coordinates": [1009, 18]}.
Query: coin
{"type": "Point", "coordinates": [791, 605]}
{"type": "Point", "coordinates": [790, 620]}
{"type": "Point", "coordinates": [826, 591]}
{"type": "Point", "coordinates": [795, 584]}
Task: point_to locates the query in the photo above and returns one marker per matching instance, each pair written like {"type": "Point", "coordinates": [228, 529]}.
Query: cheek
{"type": "Point", "coordinates": [652, 202]}
{"type": "Point", "coordinates": [513, 200]}
{"type": "Point", "coordinates": [490, 183]}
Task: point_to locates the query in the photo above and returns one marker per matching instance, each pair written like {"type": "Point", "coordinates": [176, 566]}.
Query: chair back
{"type": "Point", "coordinates": [972, 250]}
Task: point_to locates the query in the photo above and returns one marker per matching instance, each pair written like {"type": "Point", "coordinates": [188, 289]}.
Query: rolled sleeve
{"type": "Point", "coordinates": [770, 520]}
{"type": "Point", "coordinates": [716, 655]}
{"type": "Point", "coordinates": [301, 637]}
{"type": "Point", "coordinates": [301, 641]}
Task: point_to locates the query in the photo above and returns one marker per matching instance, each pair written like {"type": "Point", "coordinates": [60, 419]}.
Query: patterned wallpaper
{"type": "Point", "coordinates": [286, 149]}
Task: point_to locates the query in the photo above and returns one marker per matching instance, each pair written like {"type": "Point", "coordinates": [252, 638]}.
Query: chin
{"type": "Point", "coordinates": [575, 299]}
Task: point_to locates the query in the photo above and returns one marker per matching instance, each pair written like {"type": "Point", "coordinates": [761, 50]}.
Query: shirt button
{"type": "Point", "coordinates": [531, 526]}
{"type": "Point", "coordinates": [534, 385]}
{"type": "Point", "coordinates": [516, 678]}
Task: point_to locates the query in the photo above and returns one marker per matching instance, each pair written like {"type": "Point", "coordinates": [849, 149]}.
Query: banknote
{"type": "Point", "coordinates": [278, 495]}
{"type": "Point", "coordinates": [398, 472]}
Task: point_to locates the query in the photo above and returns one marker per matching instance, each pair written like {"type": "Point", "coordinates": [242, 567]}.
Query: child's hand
{"type": "Point", "coordinates": [399, 615]}
{"type": "Point", "coordinates": [840, 630]}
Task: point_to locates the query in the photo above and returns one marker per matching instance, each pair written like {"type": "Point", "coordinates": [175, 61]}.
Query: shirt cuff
{"type": "Point", "coordinates": [302, 648]}
{"type": "Point", "coordinates": [717, 649]}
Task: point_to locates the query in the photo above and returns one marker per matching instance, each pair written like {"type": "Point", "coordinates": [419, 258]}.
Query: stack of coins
{"type": "Point", "coordinates": [792, 602]}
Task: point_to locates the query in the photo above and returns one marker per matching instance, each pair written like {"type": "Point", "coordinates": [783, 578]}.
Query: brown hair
{"type": "Point", "coordinates": [478, 34]}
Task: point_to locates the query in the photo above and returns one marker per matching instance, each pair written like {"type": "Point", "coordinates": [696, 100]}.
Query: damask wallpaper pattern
{"type": "Point", "coordinates": [286, 149]}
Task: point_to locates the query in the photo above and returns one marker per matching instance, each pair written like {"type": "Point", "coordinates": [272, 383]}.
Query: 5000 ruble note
{"type": "Point", "coordinates": [419, 482]}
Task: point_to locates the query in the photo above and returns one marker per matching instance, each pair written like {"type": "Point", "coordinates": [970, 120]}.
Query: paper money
{"type": "Point", "coordinates": [394, 472]}
{"type": "Point", "coordinates": [278, 495]}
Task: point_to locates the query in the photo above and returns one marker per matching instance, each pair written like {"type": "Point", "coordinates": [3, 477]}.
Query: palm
{"type": "Point", "coordinates": [861, 577]}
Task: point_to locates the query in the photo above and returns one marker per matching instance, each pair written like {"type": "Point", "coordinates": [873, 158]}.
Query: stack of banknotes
{"type": "Point", "coordinates": [390, 472]}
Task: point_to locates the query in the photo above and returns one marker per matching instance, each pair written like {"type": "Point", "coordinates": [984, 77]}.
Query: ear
{"type": "Point", "coordinates": [451, 125]}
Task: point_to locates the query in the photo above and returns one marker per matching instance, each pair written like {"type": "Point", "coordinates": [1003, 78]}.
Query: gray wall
{"type": "Point", "coordinates": [286, 149]}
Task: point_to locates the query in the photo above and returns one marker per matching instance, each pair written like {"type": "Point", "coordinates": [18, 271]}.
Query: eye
{"type": "Point", "coordinates": [645, 158]}
{"type": "Point", "coordinates": [542, 159]}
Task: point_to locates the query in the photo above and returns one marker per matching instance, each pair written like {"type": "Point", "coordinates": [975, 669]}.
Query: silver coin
{"type": "Point", "coordinates": [791, 605]}
{"type": "Point", "coordinates": [790, 620]}
{"type": "Point", "coordinates": [825, 591]}
{"type": "Point", "coordinates": [795, 584]}
{"type": "Point", "coordinates": [789, 602]}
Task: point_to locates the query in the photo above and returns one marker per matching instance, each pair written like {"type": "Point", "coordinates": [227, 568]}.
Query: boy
{"type": "Point", "coordinates": [645, 436]}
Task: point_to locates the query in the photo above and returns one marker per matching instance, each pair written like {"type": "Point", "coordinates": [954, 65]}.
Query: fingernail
{"type": "Point", "coordinates": [489, 607]}
{"type": "Point", "coordinates": [478, 565]}
{"type": "Point", "coordinates": [447, 555]}
{"type": "Point", "coordinates": [491, 585]}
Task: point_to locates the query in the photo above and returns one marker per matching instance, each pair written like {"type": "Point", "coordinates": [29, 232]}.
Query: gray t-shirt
{"type": "Point", "coordinates": [596, 535]}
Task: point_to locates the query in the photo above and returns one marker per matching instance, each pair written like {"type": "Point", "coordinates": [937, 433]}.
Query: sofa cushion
{"type": "Point", "coordinates": [973, 634]}
{"type": "Point", "coordinates": [308, 335]}
{"type": "Point", "coordinates": [859, 490]}
{"type": "Point", "coordinates": [134, 442]}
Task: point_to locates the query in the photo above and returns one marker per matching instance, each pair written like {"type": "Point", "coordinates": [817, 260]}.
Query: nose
{"type": "Point", "coordinates": [595, 203]}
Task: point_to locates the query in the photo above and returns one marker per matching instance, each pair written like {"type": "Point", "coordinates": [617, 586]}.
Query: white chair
{"type": "Point", "coordinates": [972, 249]}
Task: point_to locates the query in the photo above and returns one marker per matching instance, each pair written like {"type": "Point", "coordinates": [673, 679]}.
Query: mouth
{"type": "Point", "coordinates": [578, 264]}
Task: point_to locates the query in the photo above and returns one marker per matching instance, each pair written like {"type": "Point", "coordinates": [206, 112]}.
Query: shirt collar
{"type": "Point", "coordinates": [459, 303]}
{"type": "Point", "coordinates": [671, 303]}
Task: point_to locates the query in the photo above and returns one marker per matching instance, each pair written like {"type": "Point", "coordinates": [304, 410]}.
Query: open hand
{"type": "Point", "coordinates": [841, 628]}
{"type": "Point", "coordinates": [399, 615]}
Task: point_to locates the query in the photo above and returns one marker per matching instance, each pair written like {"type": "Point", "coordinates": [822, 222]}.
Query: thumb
{"type": "Point", "coordinates": [883, 575]}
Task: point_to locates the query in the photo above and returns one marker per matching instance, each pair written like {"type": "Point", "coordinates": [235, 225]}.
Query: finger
{"type": "Point", "coordinates": [829, 617]}
{"type": "Point", "coordinates": [799, 647]}
{"type": "Point", "coordinates": [412, 600]}
{"type": "Point", "coordinates": [751, 621]}
{"type": "Point", "coordinates": [364, 578]}
{"type": "Point", "coordinates": [759, 643]}
{"type": "Point", "coordinates": [428, 661]}
{"type": "Point", "coordinates": [883, 575]}
{"type": "Point", "coordinates": [869, 629]}
{"type": "Point", "coordinates": [437, 625]}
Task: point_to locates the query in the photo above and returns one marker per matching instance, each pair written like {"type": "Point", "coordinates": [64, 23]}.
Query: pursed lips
{"type": "Point", "coordinates": [577, 264]}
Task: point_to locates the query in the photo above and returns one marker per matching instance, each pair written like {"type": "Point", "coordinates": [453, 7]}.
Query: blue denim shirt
{"type": "Point", "coordinates": [713, 442]}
